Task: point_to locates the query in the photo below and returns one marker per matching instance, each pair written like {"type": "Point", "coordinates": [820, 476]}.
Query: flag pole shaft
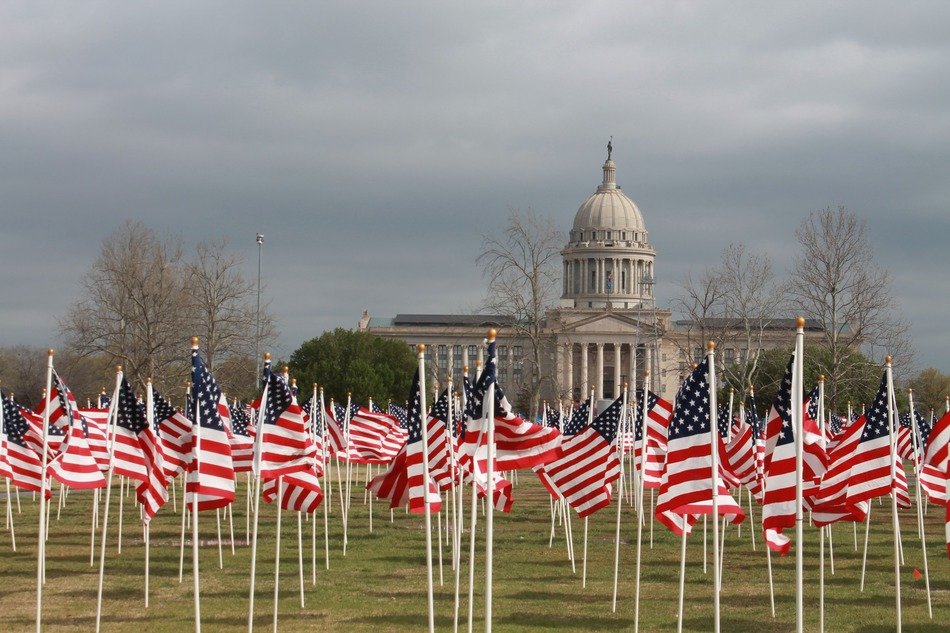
{"type": "Point", "coordinates": [613, 604]}
{"type": "Point", "coordinates": [895, 521]}
{"type": "Point", "coordinates": [327, 495]}
{"type": "Point", "coordinates": [489, 515]}
{"type": "Point", "coordinates": [798, 425]}
{"type": "Point", "coordinates": [278, 500]}
{"type": "Point", "coordinates": [584, 564]}
{"type": "Point", "coordinates": [300, 554]}
{"type": "Point", "coordinates": [41, 544]}
{"type": "Point", "coordinates": [105, 517]}
{"type": "Point", "coordinates": [427, 510]}
{"type": "Point", "coordinates": [920, 517]}
{"type": "Point", "coordinates": [679, 618]}
{"type": "Point", "coordinates": [714, 452]}
{"type": "Point", "coordinates": [257, 505]}
{"type": "Point", "coordinates": [194, 520]}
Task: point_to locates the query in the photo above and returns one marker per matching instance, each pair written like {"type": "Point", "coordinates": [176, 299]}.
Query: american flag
{"type": "Point", "coordinates": [75, 466]}
{"type": "Point", "coordinates": [518, 443]}
{"type": "Point", "coordinates": [404, 481]}
{"type": "Point", "coordinates": [138, 453]}
{"type": "Point", "coordinates": [778, 506]}
{"type": "Point", "coordinates": [242, 439]}
{"type": "Point", "coordinates": [723, 421]}
{"type": "Point", "coordinates": [399, 413]}
{"type": "Point", "coordinates": [589, 463]}
{"type": "Point", "coordinates": [211, 471]}
{"type": "Point", "coordinates": [935, 471]}
{"type": "Point", "coordinates": [23, 464]}
{"type": "Point", "coordinates": [872, 471]}
{"type": "Point", "coordinates": [579, 419]}
{"type": "Point", "coordinates": [441, 444]}
{"type": "Point", "coordinates": [63, 408]}
{"type": "Point", "coordinates": [374, 438]}
{"type": "Point", "coordinates": [336, 436]}
{"type": "Point", "coordinates": [286, 447]}
{"type": "Point", "coordinates": [687, 485]}
{"type": "Point", "coordinates": [739, 457]}
{"type": "Point", "coordinates": [175, 432]}
{"type": "Point", "coordinates": [659, 412]}
{"type": "Point", "coordinates": [299, 491]}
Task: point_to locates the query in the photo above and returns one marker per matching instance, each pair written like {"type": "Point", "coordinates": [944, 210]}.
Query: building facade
{"type": "Point", "coordinates": [605, 330]}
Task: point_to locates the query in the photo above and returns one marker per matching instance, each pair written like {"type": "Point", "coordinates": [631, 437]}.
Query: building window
{"type": "Point", "coordinates": [456, 358]}
{"type": "Point", "coordinates": [623, 284]}
{"type": "Point", "coordinates": [472, 354]}
{"type": "Point", "coordinates": [608, 237]}
{"type": "Point", "coordinates": [517, 353]}
{"type": "Point", "coordinates": [443, 357]}
{"type": "Point", "coordinates": [698, 355]}
{"type": "Point", "coordinates": [730, 356]}
{"type": "Point", "coordinates": [623, 236]}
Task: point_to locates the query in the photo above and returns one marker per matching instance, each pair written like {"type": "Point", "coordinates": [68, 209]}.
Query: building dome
{"type": "Point", "coordinates": [609, 207]}
{"type": "Point", "coordinates": [608, 260]}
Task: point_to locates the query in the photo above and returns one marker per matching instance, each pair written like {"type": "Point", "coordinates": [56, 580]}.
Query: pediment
{"type": "Point", "coordinates": [607, 323]}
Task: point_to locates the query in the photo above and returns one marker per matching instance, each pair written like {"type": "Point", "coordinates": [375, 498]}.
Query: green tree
{"type": "Point", "coordinates": [364, 364]}
{"type": "Point", "coordinates": [931, 388]}
{"type": "Point", "coordinates": [860, 388]}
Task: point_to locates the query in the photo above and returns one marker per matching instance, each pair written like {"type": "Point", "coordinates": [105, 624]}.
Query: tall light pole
{"type": "Point", "coordinates": [648, 281]}
{"type": "Point", "coordinates": [257, 346]}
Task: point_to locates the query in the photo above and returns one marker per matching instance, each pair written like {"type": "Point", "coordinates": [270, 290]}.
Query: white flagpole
{"type": "Point", "coordinates": [619, 438]}
{"type": "Point", "coordinates": [326, 488]}
{"type": "Point", "coordinates": [256, 468]}
{"type": "Point", "coordinates": [714, 450]}
{"type": "Point", "coordinates": [679, 619]}
{"type": "Point", "coordinates": [590, 418]}
{"type": "Point", "coordinates": [280, 494]}
{"type": "Point", "coordinates": [920, 517]}
{"type": "Point", "coordinates": [6, 482]}
{"type": "Point", "coordinates": [643, 459]}
{"type": "Point", "coordinates": [105, 517]}
{"type": "Point", "coordinates": [194, 508]}
{"type": "Point", "coordinates": [474, 519]}
{"type": "Point", "coordinates": [797, 415]}
{"type": "Point", "coordinates": [430, 600]}
{"type": "Point", "coordinates": [349, 472]}
{"type": "Point", "coordinates": [41, 543]}
{"type": "Point", "coordinates": [489, 517]}
{"type": "Point", "coordinates": [895, 523]}
{"type": "Point", "coordinates": [150, 418]}
{"type": "Point", "coordinates": [821, 564]}
{"type": "Point", "coordinates": [181, 553]}
{"type": "Point", "coordinates": [457, 473]}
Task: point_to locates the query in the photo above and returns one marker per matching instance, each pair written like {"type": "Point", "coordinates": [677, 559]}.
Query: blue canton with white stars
{"type": "Point", "coordinates": [14, 424]}
{"type": "Point", "coordinates": [279, 398]}
{"type": "Point", "coordinates": [130, 413]}
{"type": "Point", "coordinates": [607, 422]}
{"type": "Point", "coordinates": [691, 417]}
{"type": "Point", "coordinates": [875, 425]}
{"type": "Point", "coordinates": [414, 413]}
{"type": "Point", "coordinates": [205, 394]}
{"type": "Point", "coordinates": [63, 392]}
{"type": "Point", "coordinates": [783, 404]}
{"type": "Point", "coordinates": [578, 419]}
{"type": "Point", "coordinates": [240, 420]}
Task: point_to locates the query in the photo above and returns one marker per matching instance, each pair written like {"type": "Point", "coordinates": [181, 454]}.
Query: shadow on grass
{"type": "Point", "coordinates": [407, 620]}
{"type": "Point", "coordinates": [736, 624]}
{"type": "Point", "coordinates": [550, 622]}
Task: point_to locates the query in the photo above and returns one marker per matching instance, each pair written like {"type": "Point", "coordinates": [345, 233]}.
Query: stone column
{"type": "Point", "coordinates": [599, 379]}
{"type": "Point", "coordinates": [585, 381]}
{"type": "Point", "coordinates": [451, 369]}
{"type": "Point", "coordinates": [569, 385]}
{"type": "Point", "coordinates": [632, 371]}
{"type": "Point", "coordinates": [617, 385]}
{"type": "Point", "coordinates": [648, 363]}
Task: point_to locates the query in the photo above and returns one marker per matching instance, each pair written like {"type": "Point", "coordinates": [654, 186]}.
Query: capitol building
{"type": "Point", "coordinates": [605, 330]}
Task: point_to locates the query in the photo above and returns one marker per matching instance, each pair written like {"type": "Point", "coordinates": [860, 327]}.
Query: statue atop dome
{"type": "Point", "coordinates": [610, 146]}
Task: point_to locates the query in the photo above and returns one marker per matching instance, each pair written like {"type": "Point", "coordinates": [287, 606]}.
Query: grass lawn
{"type": "Point", "coordinates": [380, 584]}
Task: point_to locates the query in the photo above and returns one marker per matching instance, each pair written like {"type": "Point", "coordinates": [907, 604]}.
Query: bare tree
{"type": "Point", "coordinates": [132, 305]}
{"type": "Point", "coordinates": [522, 267]}
{"type": "Point", "coordinates": [837, 284]}
{"type": "Point", "coordinates": [702, 304]}
{"type": "Point", "coordinates": [142, 301]}
{"type": "Point", "coordinates": [222, 309]}
{"type": "Point", "coordinates": [753, 299]}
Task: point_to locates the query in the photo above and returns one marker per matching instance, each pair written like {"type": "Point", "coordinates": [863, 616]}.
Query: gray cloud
{"type": "Point", "coordinates": [374, 143]}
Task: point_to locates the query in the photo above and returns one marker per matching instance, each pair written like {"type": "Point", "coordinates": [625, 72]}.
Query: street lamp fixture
{"type": "Point", "coordinates": [257, 338]}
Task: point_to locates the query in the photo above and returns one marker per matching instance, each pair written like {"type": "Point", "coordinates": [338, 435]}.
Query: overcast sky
{"type": "Point", "coordinates": [374, 143]}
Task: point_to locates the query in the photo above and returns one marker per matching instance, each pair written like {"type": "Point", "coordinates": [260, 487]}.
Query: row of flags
{"type": "Point", "coordinates": [576, 455]}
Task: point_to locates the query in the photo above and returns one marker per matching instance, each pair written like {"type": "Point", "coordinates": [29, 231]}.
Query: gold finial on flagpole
{"type": "Point", "coordinates": [421, 348]}
{"type": "Point", "coordinates": [888, 359]}
{"type": "Point", "coordinates": [799, 323]}
{"type": "Point", "coordinates": [266, 356]}
{"type": "Point", "coordinates": [711, 346]}
{"type": "Point", "coordinates": [492, 333]}
{"type": "Point", "coordinates": [194, 342]}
